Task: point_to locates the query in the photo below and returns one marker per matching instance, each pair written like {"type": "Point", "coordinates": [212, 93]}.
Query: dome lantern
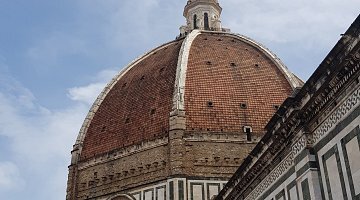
{"type": "Point", "coordinates": [203, 15]}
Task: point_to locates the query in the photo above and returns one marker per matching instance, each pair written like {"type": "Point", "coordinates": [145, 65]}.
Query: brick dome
{"type": "Point", "coordinates": [221, 81]}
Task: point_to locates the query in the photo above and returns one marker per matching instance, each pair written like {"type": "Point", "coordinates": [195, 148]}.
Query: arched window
{"type": "Point", "coordinates": [206, 22]}
{"type": "Point", "coordinates": [195, 22]}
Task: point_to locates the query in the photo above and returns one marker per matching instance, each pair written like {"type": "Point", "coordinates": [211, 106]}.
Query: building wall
{"type": "Point", "coordinates": [312, 146]}
{"type": "Point", "coordinates": [123, 169]}
{"type": "Point", "coordinates": [215, 155]}
{"type": "Point", "coordinates": [178, 189]}
{"type": "Point", "coordinates": [330, 169]}
{"type": "Point", "coordinates": [338, 151]}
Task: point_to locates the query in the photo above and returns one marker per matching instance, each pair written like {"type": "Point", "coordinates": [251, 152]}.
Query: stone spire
{"type": "Point", "coordinates": [203, 15]}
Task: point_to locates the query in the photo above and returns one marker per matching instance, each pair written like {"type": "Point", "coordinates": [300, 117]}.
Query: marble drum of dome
{"type": "Point", "coordinates": [177, 122]}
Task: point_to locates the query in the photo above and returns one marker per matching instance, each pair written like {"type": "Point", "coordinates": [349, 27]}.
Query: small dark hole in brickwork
{"type": "Point", "coordinates": [233, 64]}
{"type": "Point", "coordinates": [232, 40]}
{"type": "Point", "coordinates": [103, 129]}
{"type": "Point", "coordinates": [127, 120]}
{"type": "Point", "coordinates": [247, 49]}
{"type": "Point", "coordinates": [210, 104]}
{"type": "Point", "coordinates": [205, 39]}
{"type": "Point", "coordinates": [208, 129]}
{"type": "Point", "coordinates": [208, 63]}
{"type": "Point", "coordinates": [219, 39]}
{"type": "Point", "coordinates": [142, 78]}
{"type": "Point", "coordinates": [155, 53]}
{"type": "Point", "coordinates": [162, 70]}
{"type": "Point", "coordinates": [124, 85]}
{"type": "Point", "coordinates": [243, 106]}
{"type": "Point", "coordinates": [257, 65]}
{"type": "Point", "coordinates": [153, 111]}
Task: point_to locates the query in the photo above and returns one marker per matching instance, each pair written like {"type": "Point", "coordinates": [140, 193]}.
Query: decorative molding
{"type": "Point", "coordinates": [350, 103]}
{"type": "Point", "coordinates": [124, 152]}
{"type": "Point", "coordinates": [279, 170]}
{"type": "Point", "coordinates": [220, 138]}
{"type": "Point", "coordinates": [117, 179]}
{"type": "Point", "coordinates": [351, 66]}
{"type": "Point", "coordinates": [307, 139]}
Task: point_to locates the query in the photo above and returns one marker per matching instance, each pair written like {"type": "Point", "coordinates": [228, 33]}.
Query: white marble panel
{"type": "Point", "coordinates": [148, 195]}
{"type": "Point", "coordinates": [293, 193]}
{"type": "Point", "coordinates": [334, 178]}
{"type": "Point", "coordinates": [213, 190]}
{"type": "Point", "coordinates": [352, 148]}
{"type": "Point", "coordinates": [161, 194]}
{"type": "Point", "coordinates": [137, 196]}
{"type": "Point", "coordinates": [197, 192]}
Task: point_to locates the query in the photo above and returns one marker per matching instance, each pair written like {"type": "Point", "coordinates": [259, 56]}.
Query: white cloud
{"type": "Point", "coordinates": [40, 140]}
{"type": "Point", "coordinates": [9, 176]}
{"type": "Point", "coordinates": [87, 94]}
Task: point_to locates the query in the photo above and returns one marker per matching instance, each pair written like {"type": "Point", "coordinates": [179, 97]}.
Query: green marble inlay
{"type": "Point", "coordinates": [305, 190]}
{"type": "Point", "coordinates": [354, 133]}
{"type": "Point", "coordinates": [181, 190]}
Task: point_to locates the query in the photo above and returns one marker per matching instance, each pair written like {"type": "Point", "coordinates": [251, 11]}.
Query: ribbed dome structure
{"type": "Point", "coordinates": [193, 107]}
{"type": "Point", "coordinates": [230, 82]}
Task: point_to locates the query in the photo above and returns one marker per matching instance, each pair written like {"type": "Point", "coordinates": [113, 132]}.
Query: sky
{"type": "Point", "coordinates": [56, 57]}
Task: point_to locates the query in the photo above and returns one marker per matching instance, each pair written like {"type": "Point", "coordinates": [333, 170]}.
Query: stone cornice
{"type": "Point", "coordinates": [122, 152]}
